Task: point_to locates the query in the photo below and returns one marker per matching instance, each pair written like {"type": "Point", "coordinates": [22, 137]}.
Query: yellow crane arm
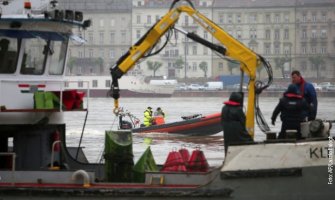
{"type": "Point", "coordinates": [139, 50]}
{"type": "Point", "coordinates": [237, 51]}
{"type": "Point", "coordinates": [232, 48]}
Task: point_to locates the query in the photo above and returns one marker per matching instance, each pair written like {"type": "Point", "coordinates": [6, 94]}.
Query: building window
{"type": "Point", "coordinates": [138, 19]}
{"type": "Point", "coordinates": [304, 18]}
{"type": "Point", "coordinates": [304, 34]}
{"type": "Point", "coordinates": [112, 22]}
{"type": "Point", "coordinates": [323, 50]}
{"type": "Point", "coordinates": [239, 34]}
{"type": "Point", "coordinates": [123, 36]}
{"type": "Point", "coordinates": [313, 50]}
{"type": "Point", "coordinates": [267, 48]}
{"type": "Point", "coordinates": [314, 34]}
{"type": "Point", "coordinates": [277, 18]}
{"type": "Point", "coordinates": [238, 18]}
{"type": "Point", "coordinates": [138, 34]}
{"type": "Point", "coordinates": [230, 19]}
{"type": "Point", "coordinates": [108, 83]}
{"type": "Point", "coordinates": [66, 84]}
{"type": "Point", "coordinates": [323, 33]}
{"type": "Point", "coordinates": [101, 23]}
{"type": "Point", "coordinates": [205, 50]}
{"type": "Point", "coordinates": [286, 34]}
{"type": "Point", "coordinates": [186, 20]}
{"type": "Point", "coordinates": [287, 50]}
{"type": "Point", "coordinates": [267, 34]}
{"type": "Point", "coordinates": [112, 54]}
{"type": "Point", "coordinates": [277, 49]}
{"type": "Point", "coordinates": [303, 66]}
{"type": "Point", "coordinates": [221, 19]}
{"type": "Point", "coordinates": [157, 18]}
{"type": "Point", "coordinates": [112, 34]}
{"type": "Point", "coordinates": [268, 18]}
{"type": "Point", "coordinates": [287, 18]}
{"type": "Point", "coordinates": [90, 37]}
{"type": "Point", "coordinates": [176, 52]}
{"type": "Point", "coordinates": [101, 37]}
{"type": "Point", "coordinates": [205, 35]}
{"type": "Point", "coordinates": [102, 54]}
{"type": "Point", "coordinates": [80, 54]}
{"type": "Point", "coordinates": [324, 17]}
{"type": "Point", "coordinates": [194, 66]}
{"type": "Point", "coordinates": [253, 34]}
{"type": "Point", "coordinates": [277, 34]}
{"type": "Point", "coordinates": [148, 19]}
{"type": "Point", "coordinates": [80, 84]}
{"type": "Point", "coordinates": [253, 18]}
{"type": "Point", "coordinates": [220, 66]}
{"type": "Point", "coordinates": [194, 50]}
{"type": "Point", "coordinates": [95, 83]}
{"type": "Point", "coordinates": [314, 17]}
{"type": "Point", "coordinates": [90, 53]}
{"type": "Point", "coordinates": [303, 50]}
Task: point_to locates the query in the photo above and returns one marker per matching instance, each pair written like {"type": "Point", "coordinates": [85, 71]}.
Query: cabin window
{"type": "Point", "coordinates": [35, 51]}
{"type": "Point", "coordinates": [57, 58]}
{"type": "Point", "coordinates": [8, 55]}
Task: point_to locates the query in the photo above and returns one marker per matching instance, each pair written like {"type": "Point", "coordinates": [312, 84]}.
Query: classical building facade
{"type": "Point", "coordinates": [108, 38]}
{"type": "Point", "coordinates": [180, 49]}
{"type": "Point", "coordinates": [298, 34]}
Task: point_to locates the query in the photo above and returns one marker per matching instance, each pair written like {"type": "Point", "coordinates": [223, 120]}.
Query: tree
{"type": "Point", "coordinates": [203, 66]}
{"type": "Point", "coordinates": [154, 66]}
{"type": "Point", "coordinates": [179, 63]}
{"type": "Point", "coordinates": [232, 65]}
{"type": "Point", "coordinates": [316, 62]}
{"type": "Point", "coordinates": [279, 64]}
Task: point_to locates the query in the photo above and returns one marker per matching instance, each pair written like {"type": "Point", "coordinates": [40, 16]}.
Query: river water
{"type": "Point", "coordinates": [101, 118]}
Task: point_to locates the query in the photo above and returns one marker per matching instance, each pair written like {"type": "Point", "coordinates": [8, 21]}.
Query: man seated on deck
{"type": "Point", "coordinates": [233, 121]}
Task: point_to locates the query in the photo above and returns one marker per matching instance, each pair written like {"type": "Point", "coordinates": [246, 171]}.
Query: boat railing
{"type": "Point", "coordinates": [60, 87]}
{"type": "Point", "coordinates": [13, 155]}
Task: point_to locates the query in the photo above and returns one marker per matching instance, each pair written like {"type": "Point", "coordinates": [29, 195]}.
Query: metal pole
{"type": "Point", "coordinates": [82, 133]}
{"type": "Point", "coordinates": [185, 64]}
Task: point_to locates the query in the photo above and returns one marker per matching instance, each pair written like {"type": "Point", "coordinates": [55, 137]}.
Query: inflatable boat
{"type": "Point", "coordinates": [191, 125]}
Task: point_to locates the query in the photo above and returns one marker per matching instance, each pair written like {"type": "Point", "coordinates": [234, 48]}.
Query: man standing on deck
{"type": "Point", "coordinates": [308, 92]}
{"type": "Point", "coordinates": [147, 117]}
{"type": "Point", "coordinates": [233, 121]}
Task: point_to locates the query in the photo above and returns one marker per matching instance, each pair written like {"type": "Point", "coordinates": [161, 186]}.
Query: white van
{"type": "Point", "coordinates": [215, 85]}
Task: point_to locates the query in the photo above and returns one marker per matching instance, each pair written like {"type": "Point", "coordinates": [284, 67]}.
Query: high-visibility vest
{"type": "Point", "coordinates": [147, 118]}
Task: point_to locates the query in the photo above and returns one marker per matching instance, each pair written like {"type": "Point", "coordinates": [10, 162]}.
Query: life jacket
{"type": "Point", "coordinates": [159, 120]}
{"type": "Point", "coordinates": [147, 117]}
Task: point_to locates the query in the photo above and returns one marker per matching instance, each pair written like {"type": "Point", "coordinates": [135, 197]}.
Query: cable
{"type": "Point", "coordinates": [259, 87]}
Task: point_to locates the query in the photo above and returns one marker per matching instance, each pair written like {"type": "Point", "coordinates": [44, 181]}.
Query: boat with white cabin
{"type": "Point", "coordinates": [131, 86]}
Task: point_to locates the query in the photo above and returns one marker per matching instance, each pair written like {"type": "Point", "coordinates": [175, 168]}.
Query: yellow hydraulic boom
{"type": "Point", "coordinates": [232, 48]}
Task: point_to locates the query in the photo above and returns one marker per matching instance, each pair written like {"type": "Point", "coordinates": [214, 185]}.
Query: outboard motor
{"type": "Point", "coordinates": [315, 128]}
{"type": "Point", "coordinates": [125, 125]}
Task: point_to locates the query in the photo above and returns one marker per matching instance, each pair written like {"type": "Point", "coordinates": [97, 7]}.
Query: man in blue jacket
{"type": "Point", "coordinates": [308, 92]}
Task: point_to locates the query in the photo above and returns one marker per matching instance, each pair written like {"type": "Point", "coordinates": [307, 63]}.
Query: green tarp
{"type": "Point", "coordinates": [145, 163]}
{"type": "Point", "coordinates": [118, 156]}
{"type": "Point", "coordinates": [46, 100]}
